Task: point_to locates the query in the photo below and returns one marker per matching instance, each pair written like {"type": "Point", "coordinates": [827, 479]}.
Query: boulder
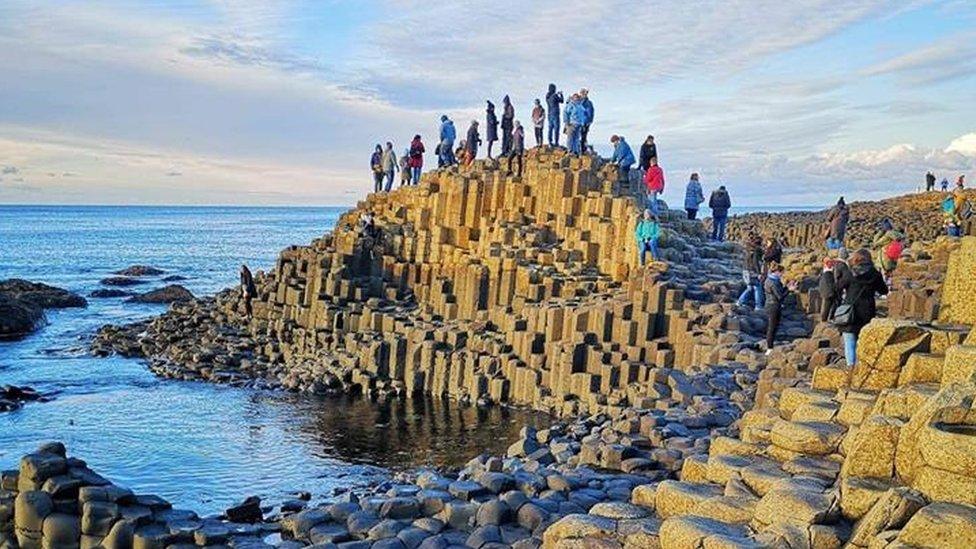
{"type": "Point", "coordinates": [941, 526]}
{"type": "Point", "coordinates": [139, 270]}
{"type": "Point", "coordinates": [168, 294]}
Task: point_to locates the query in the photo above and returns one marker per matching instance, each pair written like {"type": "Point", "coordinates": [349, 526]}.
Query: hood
{"type": "Point", "coordinates": [552, 89]}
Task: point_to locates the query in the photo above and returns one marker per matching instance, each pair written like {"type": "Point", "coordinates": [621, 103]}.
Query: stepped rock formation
{"type": "Point", "coordinates": [482, 287]}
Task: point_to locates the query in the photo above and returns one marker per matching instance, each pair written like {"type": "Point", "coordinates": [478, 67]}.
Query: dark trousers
{"type": "Point", "coordinates": [828, 308]}
{"type": "Point", "coordinates": [692, 213]}
{"type": "Point", "coordinates": [583, 133]}
{"type": "Point", "coordinates": [538, 136]}
{"type": "Point", "coordinates": [377, 182]}
{"type": "Point", "coordinates": [506, 140]}
{"type": "Point", "coordinates": [247, 305]}
{"type": "Point", "coordinates": [516, 154]}
{"type": "Point", "coordinates": [775, 315]}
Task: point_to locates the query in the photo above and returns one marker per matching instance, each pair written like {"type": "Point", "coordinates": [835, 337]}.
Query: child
{"type": "Point", "coordinates": [405, 168]}
{"type": "Point", "coordinates": [648, 232]}
{"type": "Point", "coordinates": [828, 290]}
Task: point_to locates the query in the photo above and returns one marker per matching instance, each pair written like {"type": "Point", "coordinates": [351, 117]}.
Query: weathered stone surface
{"type": "Point", "coordinates": [941, 526]}
{"type": "Point", "coordinates": [957, 306]}
{"type": "Point", "coordinates": [891, 512]}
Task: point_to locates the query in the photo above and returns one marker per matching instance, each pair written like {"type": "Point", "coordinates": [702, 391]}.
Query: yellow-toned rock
{"type": "Point", "coordinates": [941, 526]}
{"type": "Point", "coordinates": [882, 350]}
{"type": "Point", "coordinates": [891, 512]}
{"type": "Point", "coordinates": [922, 368]}
{"type": "Point", "coordinates": [959, 287]}
{"type": "Point", "coordinates": [858, 495]}
{"type": "Point", "coordinates": [692, 532]}
{"type": "Point", "coordinates": [872, 450]}
{"type": "Point", "coordinates": [808, 437]}
{"type": "Point", "coordinates": [728, 509]}
{"type": "Point", "coordinates": [960, 364]}
{"type": "Point", "coordinates": [675, 498]}
{"type": "Point", "coordinates": [950, 405]}
{"type": "Point", "coordinates": [831, 378]}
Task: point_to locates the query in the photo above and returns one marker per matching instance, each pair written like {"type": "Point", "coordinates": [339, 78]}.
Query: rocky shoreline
{"type": "Point", "coordinates": [22, 305]}
{"type": "Point", "coordinates": [674, 428]}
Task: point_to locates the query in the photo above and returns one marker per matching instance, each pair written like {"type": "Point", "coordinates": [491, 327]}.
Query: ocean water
{"type": "Point", "coordinates": [199, 445]}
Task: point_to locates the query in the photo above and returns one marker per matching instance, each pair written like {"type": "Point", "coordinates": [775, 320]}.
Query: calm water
{"type": "Point", "coordinates": [201, 446]}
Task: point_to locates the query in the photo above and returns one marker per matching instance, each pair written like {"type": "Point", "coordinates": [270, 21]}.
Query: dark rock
{"type": "Point", "coordinates": [173, 278]}
{"type": "Point", "coordinates": [121, 281]}
{"type": "Point", "coordinates": [22, 305]}
{"type": "Point", "coordinates": [103, 293]}
{"type": "Point", "coordinates": [139, 270]}
{"type": "Point", "coordinates": [167, 294]}
{"type": "Point", "coordinates": [247, 511]}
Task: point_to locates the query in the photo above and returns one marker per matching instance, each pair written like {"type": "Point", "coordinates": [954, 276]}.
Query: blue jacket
{"type": "Point", "coordinates": [587, 110]}
{"type": "Point", "coordinates": [574, 114]}
{"type": "Point", "coordinates": [622, 154]}
{"type": "Point", "coordinates": [447, 131]}
{"type": "Point", "coordinates": [693, 195]}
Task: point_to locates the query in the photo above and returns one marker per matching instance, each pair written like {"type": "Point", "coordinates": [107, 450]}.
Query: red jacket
{"type": "Point", "coordinates": [654, 179]}
{"type": "Point", "coordinates": [416, 159]}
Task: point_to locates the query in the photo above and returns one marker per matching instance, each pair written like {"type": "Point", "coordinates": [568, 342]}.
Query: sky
{"type": "Point", "coordinates": [280, 103]}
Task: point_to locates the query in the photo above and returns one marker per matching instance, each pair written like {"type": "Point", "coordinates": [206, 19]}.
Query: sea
{"type": "Point", "coordinates": [201, 446]}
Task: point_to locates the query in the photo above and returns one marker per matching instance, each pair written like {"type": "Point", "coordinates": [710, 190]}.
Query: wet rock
{"type": "Point", "coordinates": [247, 511]}
{"type": "Point", "coordinates": [168, 294]}
{"type": "Point", "coordinates": [22, 305]}
{"type": "Point", "coordinates": [139, 270]}
{"type": "Point", "coordinates": [121, 281]}
{"type": "Point", "coordinates": [108, 293]}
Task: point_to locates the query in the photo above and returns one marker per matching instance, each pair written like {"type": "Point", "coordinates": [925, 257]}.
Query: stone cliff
{"type": "Point", "coordinates": [482, 287]}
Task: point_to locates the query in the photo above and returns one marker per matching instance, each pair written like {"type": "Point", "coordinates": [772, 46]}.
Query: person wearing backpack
{"type": "Point", "coordinates": [416, 160]}
{"type": "Point", "coordinates": [858, 307]}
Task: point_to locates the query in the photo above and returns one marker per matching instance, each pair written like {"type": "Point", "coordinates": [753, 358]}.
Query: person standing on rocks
{"type": "Point", "coordinates": [508, 124]}
{"type": "Point", "coordinates": [838, 218]}
{"type": "Point", "coordinates": [553, 100]}
{"type": "Point", "coordinates": [376, 165]}
{"type": "Point", "coordinates": [416, 162]}
{"type": "Point", "coordinates": [647, 233]}
{"type": "Point", "coordinates": [648, 151]}
{"type": "Point", "coordinates": [772, 253]}
{"type": "Point", "coordinates": [248, 289]}
{"type": "Point", "coordinates": [776, 293]}
{"type": "Point", "coordinates": [859, 295]}
{"type": "Point", "coordinates": [518, 148]}
{"type": "Point", "coordinates": [654, 183]}
{"type": "Point", "coordinates": [491, 127]}
{"type": "Point", "coordinates": [827, 286]}
{"type": "Point", "coordinates": [929, 182]}
{"type": "Point", "coordinates": [390, 165]}
{"type": "Point", "coordinates": [623, 157]}
{"type": "Point", "coordinates": [693, 194]}
{"type": "Point", "coordinates": [752, 273]}
{"type": "Point", "coordinates": [447, 135]}
{"type": "Point", "coordinates": [473, 140]}
{"type": "Point", "coordinates": [720, 203]}
{"type": "Point", "coordinates": [574, 117]}
{"type": "Point", "coordinates": [945, 185]}
{"type": "Point", "coordinates": [588, 113]}
{"type": "Point", "coordinates": [538, 121]}
{"type": "Point", "coordinates": [405, 168]}
{"type": "Point", "coordinates": [961, 183]}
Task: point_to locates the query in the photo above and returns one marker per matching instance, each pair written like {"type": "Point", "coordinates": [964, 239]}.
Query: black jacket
{"type": "Point", "coordinates": [647, 152]}
{"type": "Point", "coordinates": [776, 293]}
{"type": "Point", "coordinates": [247, 282]}
{"type": "Point", "coordinates": [860, 290]}
{"type": "Point", "coordinates": [827, 285]}
{"type": "Point", "coordinates": [720, 203]}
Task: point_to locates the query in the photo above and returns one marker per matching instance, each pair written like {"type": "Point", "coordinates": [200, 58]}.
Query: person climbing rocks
{"type": "Point", "coordinates": [837, 219]}
{"type": "Point", "coordinates": [890, 246]}
{"type": "Point", "coordinates": [517, 148]}
{"type": "Point", "coordinates": [720, 203]}
{"type": "Point", "coordinates": [827, 286]}
{"type": "Point", "coordinates": [416, 162]}
{"type": "Point", "coordinates": [693, 194]}
{"type": "Point", "coordinates": [248, 289]}
{"type": "Point", "coordinates": [538, 121]}
{"type": "Point", "coordinates": [647, 233]}
{"type": "Point", "coordinates": [508, 124]}
{"type": "Point", "coordinates": [447, 136]}
{"type": "Point", "coordinates": [654, 184]}
{"type": "Point", "coordinates": [390, 165]}
{"type": "Point", "coordinates": [588, 113]}
{"type": "Point", "coordinates": [648, 151]}
{"type": "Point", "coordinates": [859, 294]}
{"type": "Point", "coordinates": [473, 140]}
{"type": "Point", "coordinates": [952, 224]}
{"type": "Point", "coordinates": [573, 117]}
{"type": "Point", "coordinates": [752, 272]}
{"type": "Point", "coordinates": [929, 182]}
{"type": "Point", "coordinates": [405, 168]}
{"type": "Point", "coordinates": [623, 157]}
{"type": "Point", "coordinates": [491, 127]}
{"type": "Point", "coordinates": [376, 166]}
{"type": "Point", "coordinates": [776, 293]}
{"type": "Point", "coordinates": [553, 100]}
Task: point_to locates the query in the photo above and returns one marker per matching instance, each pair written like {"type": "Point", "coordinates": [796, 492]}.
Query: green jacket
{"type": "Point", "coordinates": [647, 230]}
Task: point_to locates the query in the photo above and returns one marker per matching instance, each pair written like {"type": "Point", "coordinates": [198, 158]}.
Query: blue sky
{"type": "Point", "coordinates": [277, 102]}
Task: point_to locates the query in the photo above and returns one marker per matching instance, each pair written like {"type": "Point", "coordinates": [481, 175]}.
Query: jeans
{"type": "Point", "coordinates": [652, 202]}
{"type": "Point", "coordinates": [554, 130]}
{"type": "Point", "coordinates": [538, 136]}
{"type": "Point", "coordinates": [623, 172]}
{"type": "Point", "coordinates": [648, 246]}
{"type": "Point", "coordinates": [389, 180]}
{"type": "Point", "coordinates": [954, 231]}
{"type": "Point", "coordinates": [415, 175]}
{"type": "Point", "coordinates": [377, 181]}
{"type": "Point", "coordinates": [447, 152]}
{"type": "Point", "coordinates": [755, 290]}
{"type": "Point", "coordinates": [834, 244]}
{"type": "Point", "coordinates": [574, 139]}
{"type": "Point", "coordinates": [584, 131]}
{"type": "Point", "coordinates": [850, 348]}
{"type": "Point", "coordinates": [718, 228]}
{"type": "Point", "coordinates": [692, 213]}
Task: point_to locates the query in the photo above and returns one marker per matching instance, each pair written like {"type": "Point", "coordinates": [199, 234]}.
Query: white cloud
{"type": "Point", "coordinates": [964, 145]}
